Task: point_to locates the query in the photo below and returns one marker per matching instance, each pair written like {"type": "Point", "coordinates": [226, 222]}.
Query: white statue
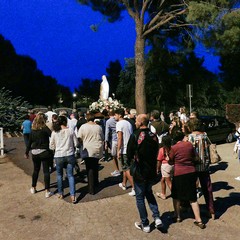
{"type": "Point", "coordinates": [104, 88]}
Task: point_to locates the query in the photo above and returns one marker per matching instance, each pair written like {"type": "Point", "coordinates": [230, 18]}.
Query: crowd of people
{"type": "Point", "coordinates": [142, 148]}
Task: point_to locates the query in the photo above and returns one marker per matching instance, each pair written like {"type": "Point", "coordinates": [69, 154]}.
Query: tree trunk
{"type": "Point", "coordinates": [140, 94]}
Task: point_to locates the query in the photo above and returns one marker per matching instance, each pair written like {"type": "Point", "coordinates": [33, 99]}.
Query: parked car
{"type": "Point", "coordinates": [218, 128]}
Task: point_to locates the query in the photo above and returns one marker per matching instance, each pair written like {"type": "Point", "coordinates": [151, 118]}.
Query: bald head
{"type": "Point", "coordinates": [142, 121]}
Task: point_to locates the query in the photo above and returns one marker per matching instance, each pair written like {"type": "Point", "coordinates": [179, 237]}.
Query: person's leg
{"type": "Point", "coordinates": [169, 183]}
{"type": "Point", "coordinates": [89, 167]}
{"type": "Point", "coordinates": [45, 164]}
{"type": "Point", "coordinates": [26, 138]}
{"type": "Point", "coordinates": [206, 185]}
{"type": "Point", "coordinates": [176, 206]}
{"type": "Point", "coordinates": [59, 167]}
{"type": "Point", "coordinates": [36, 168]}
{"type": "Point", "coordinates": [70, 166]}
{"type": "Point", "coordinates": [151, 200]}
{"type": "Point", "coordinates": [163, 186]}
{"type": "Point", "coordinates": [196, 211]}
{"type": "Point", "coordinates": [129, 178]}
{"type": "Point", "coordinates": [95, 171]}
{"type": "Point", "coordinates": [140, 195]}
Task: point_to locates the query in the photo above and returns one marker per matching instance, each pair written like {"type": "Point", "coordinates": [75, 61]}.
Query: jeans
{"type": "Point", "coordinates": [69, 163]}
{"type": "Point", "coordinates": [26, 138]}
{"type": "Point", "coordinates": [142, 190]}
{"type": "Point", "coordinates": [37, 160]}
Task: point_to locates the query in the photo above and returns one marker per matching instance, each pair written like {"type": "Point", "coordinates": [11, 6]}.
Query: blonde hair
{"type": "Point", "coordinates": [39, 122]}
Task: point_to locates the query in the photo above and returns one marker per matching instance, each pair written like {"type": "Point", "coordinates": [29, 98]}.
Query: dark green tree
{"type": "Point", "coordinates": [152, 16]}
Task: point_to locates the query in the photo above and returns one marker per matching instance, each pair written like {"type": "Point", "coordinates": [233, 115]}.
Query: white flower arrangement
{"type": "Point", "coordinates": [100, 105]}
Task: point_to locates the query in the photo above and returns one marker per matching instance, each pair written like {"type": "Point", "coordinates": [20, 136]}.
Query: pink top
{"type": "Point", "coordinates": [182, 155]}
{"type": "Point", "coordinates": [161, 156]}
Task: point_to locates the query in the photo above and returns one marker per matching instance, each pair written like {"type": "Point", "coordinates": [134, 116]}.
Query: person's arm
{"type": "Point", "coordinates": [52, 143]}
{"type": "Point", "coordinates": [119, 143]}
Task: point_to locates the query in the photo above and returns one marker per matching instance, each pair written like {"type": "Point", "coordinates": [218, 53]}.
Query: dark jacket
{"type": "Point", "coordinates": [143, 147]}
{"type": "Point", "coordinates": [39, 139]}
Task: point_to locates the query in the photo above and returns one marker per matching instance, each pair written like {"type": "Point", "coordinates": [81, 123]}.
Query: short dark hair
{"type": "Point", "coordinates": [155, 114]}
{"type": "Point", "coordinates": [178, 136]}
{"type": "Point", "coordinates": [90, 117]}
{"type": "Point", "coordinates": [120, 111]}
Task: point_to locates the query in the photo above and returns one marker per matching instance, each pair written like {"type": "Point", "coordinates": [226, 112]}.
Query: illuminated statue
{"type": "Point", "coordinates": [104, 88]}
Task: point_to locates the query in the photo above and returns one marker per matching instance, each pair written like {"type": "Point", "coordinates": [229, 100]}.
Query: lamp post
{"type": "Point", "coordinates": [74, 103]}
{"type": "Point", "coordinates": [190, 95]}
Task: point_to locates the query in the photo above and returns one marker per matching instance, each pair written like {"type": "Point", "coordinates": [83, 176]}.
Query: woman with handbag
{"type": "Point", "coordinates": [182, 156]}
{"type": "Point", "coordinates": [200, 143]}
{"type": "Point", "coordinates": [39, 146]}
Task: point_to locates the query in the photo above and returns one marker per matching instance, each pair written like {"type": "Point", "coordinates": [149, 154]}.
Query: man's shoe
{"type": "Point", "coordinates": [158, 223]}
{"type": "Point", "coordinates": [145, 229]}
{"type": "Point", "coordinates": [33, 190]}
{"type": "Point", "coordinates": [122, 187]}
{"type": "Point", "coordinates": [132, 193]}
{"type": "Point", "coordinates": [238, 178]}
{"type": "Point", "coordinates": [48, 194]}
{"type": "Point", "coordinates": [115, 173]}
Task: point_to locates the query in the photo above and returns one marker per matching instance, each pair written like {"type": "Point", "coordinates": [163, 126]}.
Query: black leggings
{"type": "Point", "coordinates": [92, 173]}
{"type": "Point", "coordinates": [37, 160]}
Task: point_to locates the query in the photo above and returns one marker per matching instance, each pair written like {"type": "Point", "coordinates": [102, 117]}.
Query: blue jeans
{"type": "Point", "coordinates": [69, 163]}
{"type": "Point", "coordinates": [142, 190]}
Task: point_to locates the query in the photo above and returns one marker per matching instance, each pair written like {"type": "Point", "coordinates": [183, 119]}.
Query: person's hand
{"type": "Point", "coordinates": [26, 156]}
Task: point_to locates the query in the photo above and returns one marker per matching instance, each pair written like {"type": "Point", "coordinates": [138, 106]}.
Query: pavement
{"type": "Point", "coordinates": [111, 213]}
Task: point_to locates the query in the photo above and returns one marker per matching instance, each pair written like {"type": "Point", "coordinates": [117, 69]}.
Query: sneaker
{"type": "Point", "coordinates": [48, 194]}
{"type": "Point", "coordinates": [238, 178]}
{"type": "Point", "coordinates": [33, 190]}
{"type": "Point", "coordinates": [122, 187]}
{"type": "Point", "coordinates": [132, 193]}
{"type": "Point", "coordinates": [115, 173]}
{"type": "Point", "coordinates": [145, 229]}
{"type": "Point", "coordinates": [158, 223]}
{"type": "Point", "coordinates": [82, 162]}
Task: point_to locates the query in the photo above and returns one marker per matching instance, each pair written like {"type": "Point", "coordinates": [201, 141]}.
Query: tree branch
{"type": "Point", "coordinates": [165, 20]}
{"type": "Point", "coordinates": [130, 11]}
{"type": "Point", "coordinates": [144, 8]}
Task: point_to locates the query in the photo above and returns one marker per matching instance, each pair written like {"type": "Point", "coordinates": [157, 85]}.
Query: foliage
{"type": "Point", "coordinates": [12, 110]}
{"type": "Point", "coordinates": [233, 112]}
{"type": "Point", "coordinates": [20, 75]}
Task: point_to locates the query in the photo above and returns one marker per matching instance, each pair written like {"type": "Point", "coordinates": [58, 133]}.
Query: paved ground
{"type": "Point", "coordinates": [26, 216]}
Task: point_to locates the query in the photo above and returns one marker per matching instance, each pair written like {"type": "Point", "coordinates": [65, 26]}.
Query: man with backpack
{"type": "Point", "coordinates": [157, 126]}
{"type": "Point", "coordinates": [142, 149]}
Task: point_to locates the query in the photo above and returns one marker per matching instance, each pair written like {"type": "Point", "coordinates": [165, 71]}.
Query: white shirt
{"type": "Point", "coordinates": [63, 142]}
{"type": "Point", "coordinates": [126, 128]}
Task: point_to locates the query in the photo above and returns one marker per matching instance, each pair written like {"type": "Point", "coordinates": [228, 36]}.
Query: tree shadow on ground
{"type": "Point", "coordinates": [221, 166]}
{"type": "Point", "coordinates": [217, 186]}
{"type": "Point", "coordinates": [223, 203]}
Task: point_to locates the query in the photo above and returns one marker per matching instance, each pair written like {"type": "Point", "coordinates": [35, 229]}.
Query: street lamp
{"type": "Point", "coordinates": [74, 103]}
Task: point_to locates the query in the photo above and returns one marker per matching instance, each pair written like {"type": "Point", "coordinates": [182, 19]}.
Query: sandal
{"type": "Point", "coordinates": [60, 196]}
{"type": "Point", "coordinates": [161, 195]}
{"type": "Point", "coordinates": [176, 219]}
{"type": "Point", "coordinates": [73, 199]}
{"type": "Point", "coordinates": [200, 224]}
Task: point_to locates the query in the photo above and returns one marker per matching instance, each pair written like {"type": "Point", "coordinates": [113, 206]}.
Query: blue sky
{"type": "Point", "coordinates": [57, 34]}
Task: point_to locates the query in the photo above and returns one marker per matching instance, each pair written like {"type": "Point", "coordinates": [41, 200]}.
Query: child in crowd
{"type": "Point", "coordinates": [166, 169]}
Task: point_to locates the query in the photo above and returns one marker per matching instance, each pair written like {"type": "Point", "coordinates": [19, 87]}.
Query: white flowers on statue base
{"type": "Point", "coordinates": [108, 104]}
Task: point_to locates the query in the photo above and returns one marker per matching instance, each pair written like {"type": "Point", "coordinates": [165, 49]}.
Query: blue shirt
{"type": "Point", "coordinates": [27, 126]}
{"type": "Point", "coordinates": [110, 131]}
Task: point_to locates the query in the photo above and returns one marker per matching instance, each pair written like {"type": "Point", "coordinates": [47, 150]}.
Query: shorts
{"type": "Point", "coordinates": [166, 170]}
{"type": "Point", "coordinates": [125, 162]}
{"type": "Point", "coordinates": [114, 149]}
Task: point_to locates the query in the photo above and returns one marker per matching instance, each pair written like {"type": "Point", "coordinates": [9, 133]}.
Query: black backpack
{"type": "Point", "coordinates": [146, 154]}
